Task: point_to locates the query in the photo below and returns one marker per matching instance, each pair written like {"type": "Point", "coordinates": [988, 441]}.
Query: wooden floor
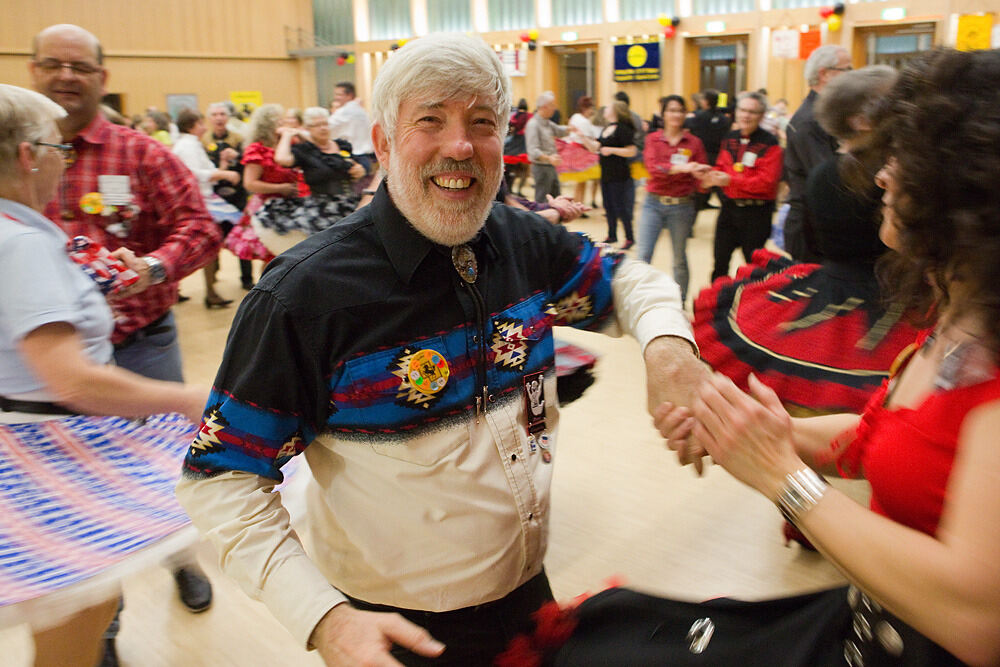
{"type": "Point", "coordinates": [621, 506]}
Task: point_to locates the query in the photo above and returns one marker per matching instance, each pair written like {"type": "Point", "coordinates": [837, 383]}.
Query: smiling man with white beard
{"type": "Point", "coordinates": [407, 351]}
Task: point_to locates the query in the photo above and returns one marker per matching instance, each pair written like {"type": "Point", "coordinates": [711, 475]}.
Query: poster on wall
{"type": "Point", "coordinates": [637, 62]}
{"type": "Point", "coordinates": [809, 41]}
{"type": "Point", "coordinates": [513, 61]}
{"type": "Point", "coordinates": [974, 32]}
{"type": "Point", "coordinates": [178, 102]}
{"type": "Point", "coordinates": [246, 100]}
{"type": "Point", "coordinates": [785, 44]}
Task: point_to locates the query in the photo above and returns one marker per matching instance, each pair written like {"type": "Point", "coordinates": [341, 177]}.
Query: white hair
{"type": "Point", "coordinates": [545, 98]}
{"type": "Point", "coordinates": [315, 114]}
{"type": "Point", "coordinates": [217, 105]}
{"type": "Point", "coordinates": [440, 67]}
{"type": "Point", "coordinates": [822, 58]}
{"type": "Point", "coordinates": [24, 116]}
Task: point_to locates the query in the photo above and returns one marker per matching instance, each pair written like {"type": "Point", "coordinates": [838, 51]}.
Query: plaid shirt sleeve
{"type": "Point", "coordinates": [193, 237]}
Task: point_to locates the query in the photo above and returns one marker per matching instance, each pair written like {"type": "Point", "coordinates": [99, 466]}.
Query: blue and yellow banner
{"type": "Point", "coordinates": [637, 62]}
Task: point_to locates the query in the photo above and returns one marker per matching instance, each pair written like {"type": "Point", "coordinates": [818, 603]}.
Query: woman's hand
{"type": "Point", "coordinates": [288, 189]}
{"type": "Point", "coordinates": [357, 171]}
{"type": "Point", "coordinates": [748, 435]}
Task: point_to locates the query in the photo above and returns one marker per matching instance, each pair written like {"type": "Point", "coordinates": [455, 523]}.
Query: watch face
{"type": "Point", "coordinates": [157, 274]}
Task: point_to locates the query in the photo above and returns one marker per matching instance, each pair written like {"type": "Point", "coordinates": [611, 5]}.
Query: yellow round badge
{"type": "Point", "coordinates": [636, 55]}
{"type": "Point", "coordinates": [92, 203]}
{"type": "Point", "coordinates": [428, 371]}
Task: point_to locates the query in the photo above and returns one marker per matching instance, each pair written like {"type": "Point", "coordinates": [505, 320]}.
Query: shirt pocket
{"type": "Point", "coordinates": [522, 336]}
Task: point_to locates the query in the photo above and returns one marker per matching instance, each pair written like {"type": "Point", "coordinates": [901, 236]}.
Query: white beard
{"type": "Point", "coordinates": [444, 222]}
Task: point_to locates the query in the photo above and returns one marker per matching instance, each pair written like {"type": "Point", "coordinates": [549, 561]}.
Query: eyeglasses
{"type": "Point", "coordinates": [67, 150]}
{"type": "Point", "coordinates": [51, 65]}
{"type": "Point", "coordinates": [841, 69]}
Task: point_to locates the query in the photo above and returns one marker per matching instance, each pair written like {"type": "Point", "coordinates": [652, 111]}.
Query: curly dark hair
{"type": "Point", "coordinates": [942, 124]}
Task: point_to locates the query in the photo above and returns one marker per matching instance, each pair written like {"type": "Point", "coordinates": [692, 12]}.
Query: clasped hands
{"type": "Point", "coordinates": [750, 435]}
{"type": "Point", "coordinates": [709, 177]}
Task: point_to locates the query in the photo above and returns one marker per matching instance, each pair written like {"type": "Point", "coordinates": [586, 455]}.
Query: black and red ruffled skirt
{"type": "Point", "coordinates": [818, 335]}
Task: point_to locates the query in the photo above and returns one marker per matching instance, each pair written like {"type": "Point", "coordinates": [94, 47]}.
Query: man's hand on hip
{"type": "Point", "coordinates": [349, 636]}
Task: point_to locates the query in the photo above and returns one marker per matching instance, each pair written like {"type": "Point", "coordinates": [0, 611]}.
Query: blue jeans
{"type": "Point", "coordinates": [679, 220]}
{"type": "Point", "coordinates": [157, 355]}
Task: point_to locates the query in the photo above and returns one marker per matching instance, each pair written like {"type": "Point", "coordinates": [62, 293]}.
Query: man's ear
{"type": "Point", "coordinates": [380, 140]}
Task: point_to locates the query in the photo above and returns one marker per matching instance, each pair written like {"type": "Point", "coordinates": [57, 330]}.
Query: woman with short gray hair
{"type": "Point", "coordinates": [81, 494]}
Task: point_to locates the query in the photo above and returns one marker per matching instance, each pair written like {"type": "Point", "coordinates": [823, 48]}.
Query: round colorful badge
{"type": "Point", "coordinates": [92, 203]}
{"type": "Point", "coordinates": [428, 371]}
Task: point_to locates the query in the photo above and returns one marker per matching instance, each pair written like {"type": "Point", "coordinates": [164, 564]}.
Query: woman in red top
{"type": "Point", "coordinates": [924, 561]}
{"type": "Point", "coordinates": [264, 179]}
{"type": "Point", "coordinates": [671, 157]}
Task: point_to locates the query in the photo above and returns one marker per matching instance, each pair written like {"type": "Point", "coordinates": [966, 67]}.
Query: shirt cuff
{"type": "Point", "coordinates": [298, 595]}
{"type": "Point", "coordinates": [663, 322]}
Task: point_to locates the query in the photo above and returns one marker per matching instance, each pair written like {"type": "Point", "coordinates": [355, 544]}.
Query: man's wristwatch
{"type": "Point", "coordinates": [157, 272]}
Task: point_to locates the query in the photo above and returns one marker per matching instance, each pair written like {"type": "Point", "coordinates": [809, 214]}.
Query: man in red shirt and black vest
{"type": "Point", "coordinates": [748, 169]}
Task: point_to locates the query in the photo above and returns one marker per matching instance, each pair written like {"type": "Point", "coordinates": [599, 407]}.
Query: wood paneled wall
{"type": "Point", "coordinates": [211, 47]}
{"type": "Point", "coordinates": [152, 49]}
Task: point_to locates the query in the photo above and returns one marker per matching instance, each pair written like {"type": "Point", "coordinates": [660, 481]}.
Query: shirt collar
{"type": "Point", "coordinates": [96, 132]}
{"type": "Point", "coordinates": [407, 247]}
{"type": "Point", "coordinates": [29, 216]}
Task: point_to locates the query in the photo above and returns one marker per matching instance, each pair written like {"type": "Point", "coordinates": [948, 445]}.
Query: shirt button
{"type": "Point", "coordinates": [531, 516]}
{"type": "Point", "coordinates": [475, 339]}
{"type": "Point", "coordinates": [513, 457]}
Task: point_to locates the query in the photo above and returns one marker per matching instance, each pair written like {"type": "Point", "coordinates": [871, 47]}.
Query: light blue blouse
{"type": "Point", "coordinates": [40, 284]}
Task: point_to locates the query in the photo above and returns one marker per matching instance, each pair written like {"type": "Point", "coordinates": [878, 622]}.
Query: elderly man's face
{"type": "Point", "coordinates": [218, 117]}
{"type": "Point", "coordinates": [445, 164]}
{"type": "Point", "coordinates": [748, 115]}
{"type": "Point", "coordinates": [828, 74]}
{"type": "Point", "coordinates": [78, 89]}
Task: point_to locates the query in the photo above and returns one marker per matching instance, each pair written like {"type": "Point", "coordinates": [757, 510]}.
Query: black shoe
{"type": "Point", "coordinates": [217, 302]}
{"type": "Point", "coordinates": [181, 298]}
{"type": "Point", "coordinates": [194, 589]}
{"type": "Point", "coordinates": [247, 283]}
{"type": "Point", "coordinates": [110, 657]}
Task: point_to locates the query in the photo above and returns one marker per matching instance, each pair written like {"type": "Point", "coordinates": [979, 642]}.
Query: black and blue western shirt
{"type": "Point", "coordinates": [424, 404]}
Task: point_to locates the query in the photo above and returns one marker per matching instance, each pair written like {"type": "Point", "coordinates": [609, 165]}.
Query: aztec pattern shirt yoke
{"type": "Point", "coordinates": [427, 403]}
{"type": "Point", "coordinates": [125, 189]}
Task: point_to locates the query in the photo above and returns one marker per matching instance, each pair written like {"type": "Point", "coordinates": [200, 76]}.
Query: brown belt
{"type": "Point", "coordinates": [673, 201]}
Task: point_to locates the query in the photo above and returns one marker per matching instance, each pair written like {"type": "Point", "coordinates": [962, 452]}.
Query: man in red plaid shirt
{"type": "Point", "coordinates": [129, 193]}
{"type": "Point", "coordinates": [123, 190]}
